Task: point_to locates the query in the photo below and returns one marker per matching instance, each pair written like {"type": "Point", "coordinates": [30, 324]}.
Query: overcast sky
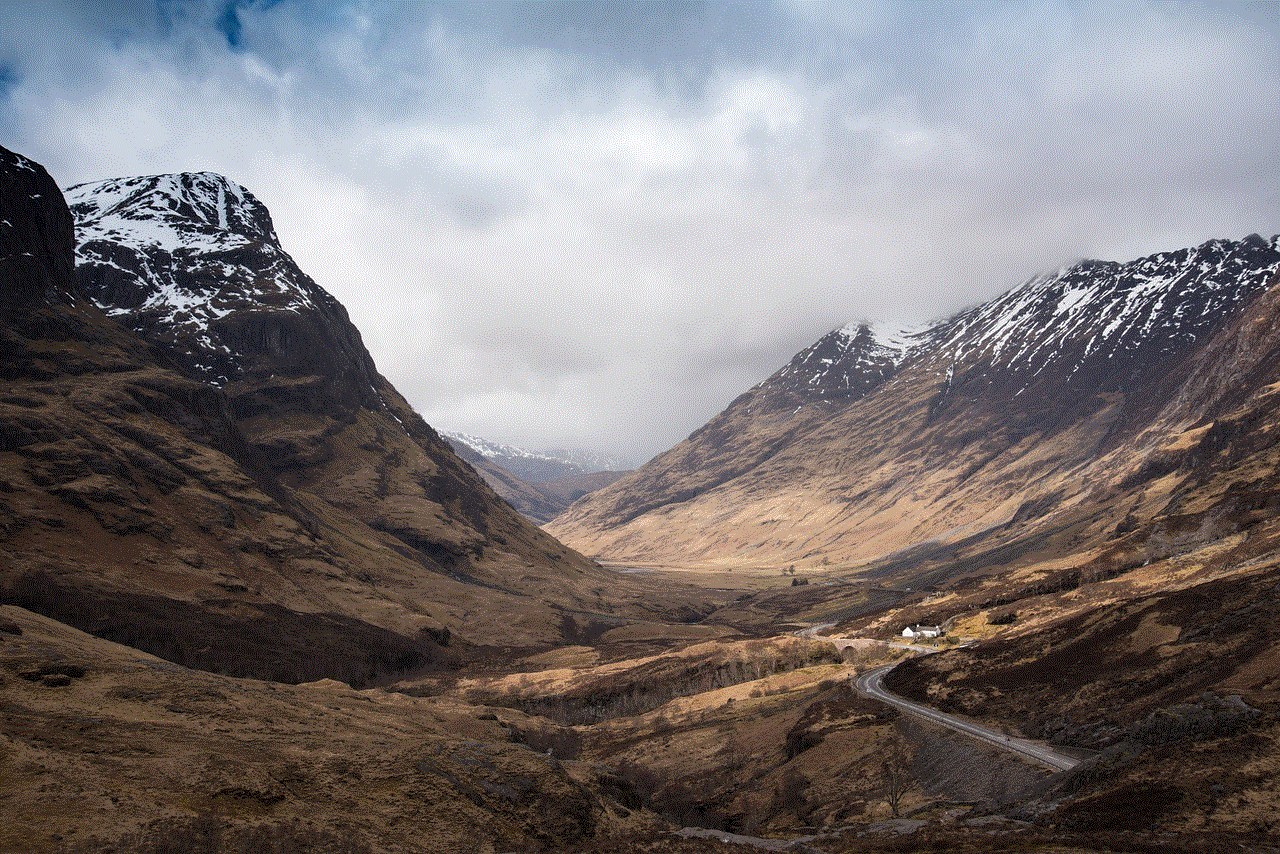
{"type": "Point", "coordinates": [596, 225]}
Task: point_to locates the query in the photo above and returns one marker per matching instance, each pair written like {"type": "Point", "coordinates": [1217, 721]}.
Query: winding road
{"type": "Point", "coordinates": [871, 684]}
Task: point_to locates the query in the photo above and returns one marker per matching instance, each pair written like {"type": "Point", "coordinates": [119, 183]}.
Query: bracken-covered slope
{"type": "Point", "coordinates": [1059, 397]}
{"type": "Point", "coordinates": [199, 458]}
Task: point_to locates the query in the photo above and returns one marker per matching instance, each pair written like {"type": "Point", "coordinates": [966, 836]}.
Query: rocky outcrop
{"type": "Point", "coordinates": [37, 239]}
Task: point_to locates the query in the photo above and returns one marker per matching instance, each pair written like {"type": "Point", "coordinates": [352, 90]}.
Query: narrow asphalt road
{"type": "Point", "coordinates": [871, 684]}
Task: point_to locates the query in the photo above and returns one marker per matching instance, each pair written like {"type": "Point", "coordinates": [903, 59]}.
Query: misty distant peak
{"type": "Point", "coordinates": [555, 462]}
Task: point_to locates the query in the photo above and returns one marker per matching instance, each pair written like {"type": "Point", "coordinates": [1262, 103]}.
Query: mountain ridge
{"type": "Point", "coordinates": [836, 439]}
{"type": "Point", "coordinates": [574, 461]}
{"type": "Point", "coordinates": [538, 484]}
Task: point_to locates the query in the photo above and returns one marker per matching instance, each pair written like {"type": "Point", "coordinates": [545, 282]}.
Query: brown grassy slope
{"type": "Point", "coordinates": [570, 489]}
{"type": "Point", "coordinates": [103, 746]}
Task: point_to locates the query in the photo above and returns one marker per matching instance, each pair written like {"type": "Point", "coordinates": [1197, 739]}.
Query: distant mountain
{"type": "Point", "coordinates": [537, 466]}
{"type": "Point", "coordinates": [589, 461]}
{"type": "Point", "coordinates": [539, 484]}
{"type": "Point", "coordinates": [200, 458]}
{"type": "Point", "coordinates": [1066, 401]}
{"type": "Point", "coordinates": [533, 501]}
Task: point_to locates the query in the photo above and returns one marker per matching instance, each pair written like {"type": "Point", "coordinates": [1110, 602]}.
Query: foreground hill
{"type": "Point", "coordinates": [1104, 395]}
{"type": "Point", "coordinates": [200, 459]}
{"type": "Point", "coordinates": [114, 750]}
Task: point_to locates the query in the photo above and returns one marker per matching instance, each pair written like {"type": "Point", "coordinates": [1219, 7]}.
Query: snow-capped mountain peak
{"type": "Point", "coordinates": [891, 339]}
{"type": "Point", "coordinates": [537, 465]}
{"type": "Point", "coordinates": [192, 211]}
{"type": "Point", "coordinates": [1089, 325]}
{"type": "Point", "coordinates": [1096, 312]}
{"type": "Point", "coordinates": [178, 254]}
{"type": "Point", "coordinates": [846, 362]}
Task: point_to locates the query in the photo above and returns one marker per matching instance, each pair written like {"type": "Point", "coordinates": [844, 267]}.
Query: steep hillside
{"type": "Point", "coordinates": [201, 460]}
{"type": "Point", "coordinates": [110, 749]}
{"type": "Point", "coordinates": [1064, 402]}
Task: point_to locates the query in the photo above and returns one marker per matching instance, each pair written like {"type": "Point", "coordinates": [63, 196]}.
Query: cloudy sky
{"type": "Point", "coordinates": [596, 225]}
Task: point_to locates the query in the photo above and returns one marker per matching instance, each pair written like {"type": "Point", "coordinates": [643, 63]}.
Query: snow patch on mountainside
{"type": "Point", "coordinates": [181, 252]}
{"type": "Point", "coordinates": [1103, 309]}
{"type": "Point", "coordinates": [491, 449]}
{"type": "Point", "coordinates": [891, 339]}
{"type": "Point", "coordinates": [846, 362]}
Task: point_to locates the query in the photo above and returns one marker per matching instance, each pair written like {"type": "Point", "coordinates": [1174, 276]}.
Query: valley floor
{"type": "Point", "coordinates": [739, 732]}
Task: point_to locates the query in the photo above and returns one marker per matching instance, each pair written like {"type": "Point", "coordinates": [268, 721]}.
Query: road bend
{"type": "Point", "coordinates": [871, 684]}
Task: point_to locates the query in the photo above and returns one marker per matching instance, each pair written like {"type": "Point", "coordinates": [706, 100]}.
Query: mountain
{"type": "Point", "coordinates": [539, 485]}
{"type": "Point", "coordinates": [1066, 401]}
{"type": "Point", "coordinates": [536, 466]}
{"type": "Point", "coordinates": [532, 500]}
{"type": "Point", "coordinates": [200, 459]}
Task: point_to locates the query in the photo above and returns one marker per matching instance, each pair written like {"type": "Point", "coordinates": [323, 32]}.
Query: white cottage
{"type": "Point", "coordinates": [924, 632]}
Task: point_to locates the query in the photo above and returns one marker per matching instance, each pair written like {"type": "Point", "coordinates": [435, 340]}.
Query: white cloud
{"type": "Point", "coordinates": [556, 239]}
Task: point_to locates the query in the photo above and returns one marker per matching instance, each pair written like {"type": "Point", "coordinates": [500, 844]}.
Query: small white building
{"type": "Point", "coordinates": [923, 632]}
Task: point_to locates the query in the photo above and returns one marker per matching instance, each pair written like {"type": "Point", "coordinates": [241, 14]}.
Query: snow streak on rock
{"type": "Point", "coordinates": [174, 255]}
{"type": "Point", "coordinates": [1111, 322]}
{"type": "Point", "coordinates": [1104, 312]}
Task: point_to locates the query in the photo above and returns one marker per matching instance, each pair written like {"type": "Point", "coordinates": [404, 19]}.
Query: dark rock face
{"type": "Point", "coordinates": [37, 240]}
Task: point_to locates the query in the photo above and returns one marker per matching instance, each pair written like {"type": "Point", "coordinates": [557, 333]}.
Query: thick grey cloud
{"type": "Point", "coordinates": [563, 224]}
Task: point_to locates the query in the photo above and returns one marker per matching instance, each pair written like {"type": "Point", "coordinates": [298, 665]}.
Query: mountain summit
{"type": "Point", "coordinates": [192, 262]}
